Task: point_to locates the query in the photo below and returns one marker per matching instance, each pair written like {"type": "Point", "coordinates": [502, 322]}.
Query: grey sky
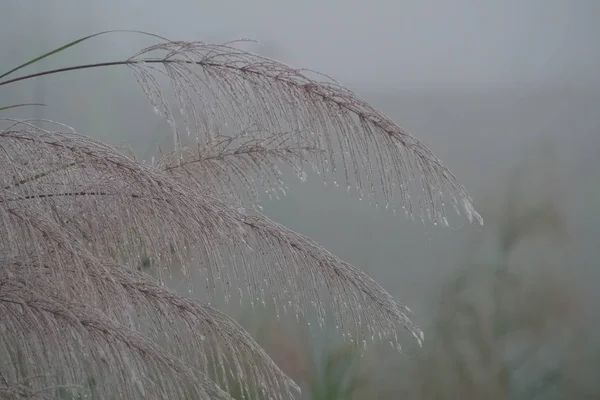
{"type": "Point", "coordinates": [429, 43]}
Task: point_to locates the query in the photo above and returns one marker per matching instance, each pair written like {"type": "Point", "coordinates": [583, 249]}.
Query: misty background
{"type": "Point", "coordinates": [484, 84]}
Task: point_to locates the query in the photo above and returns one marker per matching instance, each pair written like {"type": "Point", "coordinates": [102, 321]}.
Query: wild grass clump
{"type": "Point", "coordinates": [78, 218]}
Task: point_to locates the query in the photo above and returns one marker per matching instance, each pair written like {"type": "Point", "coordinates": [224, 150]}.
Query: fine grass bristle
{"type": "Point", "coordinates": [78, 218]}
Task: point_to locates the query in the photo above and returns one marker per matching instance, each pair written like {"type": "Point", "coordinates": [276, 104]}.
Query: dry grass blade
{"type": "Point", "coordinates": [198, 334]}
{"type": "Point", "coordinates": [67, 340]}
{"type": "Point", "coordinates": [15, 391]}
{"type": "Point", "coordinates": [78, 219]}
{"type": "Point", "coordinates": [218, 84]}
{"type": "Point", "coordinates": [130, 208]}
{"type": "Point", "coordinates": [236, 167]}
{"type": "Point", "coordinates": [233, 86]}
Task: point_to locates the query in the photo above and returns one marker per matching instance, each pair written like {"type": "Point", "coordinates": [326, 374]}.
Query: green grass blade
{"type": "Point", "coordinates": [21, 105]}
{"type": "Point", "coordinates": [73, 43]}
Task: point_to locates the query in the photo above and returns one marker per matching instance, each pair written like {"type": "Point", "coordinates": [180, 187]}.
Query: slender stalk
{"type": "Point", "coordinates": [110, 64]}
{"type": "Point", "coordinates": [76, 42]}
{"type": "Point", "coordinates": [66, 194]}
{"type": "Point", "coordinates": [20, 105]}
{"type": "Point", "coordinates": [72, 68]}
{"type": "Point", "coordinates": [39, 176]}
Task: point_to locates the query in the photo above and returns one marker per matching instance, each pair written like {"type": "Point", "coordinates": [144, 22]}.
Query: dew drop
{"type": "Point", "coordinates": [302, 175]}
